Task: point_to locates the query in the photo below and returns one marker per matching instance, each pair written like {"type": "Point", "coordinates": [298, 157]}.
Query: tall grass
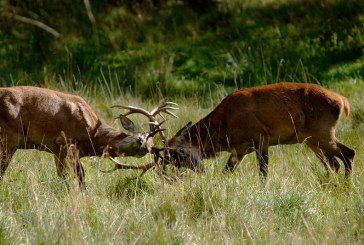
{"type": "Point", "coordinates": [193, 57]}
{"type": "Point", "coordinates": [300, 203]}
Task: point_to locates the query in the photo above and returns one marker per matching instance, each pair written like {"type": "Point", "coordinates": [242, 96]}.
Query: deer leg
{"type": "Point", "coordinates": [346, 155]}
{"type": "Point", "coordinates": [4, 161]}
{"type": "Point", "coordinates": [339, 150]}
{"type": "Point", "coordinates": [326, 158]}
{"type": "Point", "coordinates": [331, 160]}
{"type": "Point", "coordinates": [61, 165]}
{"type": "Point", "coordinates": [80, 172]}
{"type": "Point", "coordinates": [6, 154]}
{"type": "Point", "coordinates": [233, 161]}
{"type": "Point", "coordinates": [261, 150]}
{"type": "Point", "coordinates": [236, 157]}
{"type": "Point", "coordinates": [70, 154]}
{"type": "Point", "coordinates": [74, 158]}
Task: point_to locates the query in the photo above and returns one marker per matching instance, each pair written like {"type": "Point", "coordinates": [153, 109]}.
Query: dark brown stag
{"type": "Point", "coordinates": [252, 119]}
{"type": "Point", "coordinates": [64, 124]}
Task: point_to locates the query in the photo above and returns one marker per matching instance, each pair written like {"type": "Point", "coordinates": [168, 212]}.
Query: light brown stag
{"type": "Point", "coordinates": [64, 124]}
{"type": "Point", "coordinates": [253, 119]}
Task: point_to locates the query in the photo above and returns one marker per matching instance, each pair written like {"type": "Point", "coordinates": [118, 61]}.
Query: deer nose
{"type": "Point", "coordinates": [149, 144]}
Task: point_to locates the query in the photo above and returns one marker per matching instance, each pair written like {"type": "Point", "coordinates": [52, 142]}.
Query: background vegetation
{"type": "Point", "coordinates": [180, 47]}
{"type": "Point", "coordinates": [194, 52]}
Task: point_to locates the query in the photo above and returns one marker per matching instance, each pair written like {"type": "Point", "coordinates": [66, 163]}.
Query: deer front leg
{"type": "Point", "coordinates": [261, 150]}
{"type": "Point", "coordinates": [233, 161]}
{"type": "Point", "coordinates": [6, 153]}
{"type": "Point", "coordinates": [69, 153]}
{"type": "Point", "coordinates": [80, 173]}
{"type": "Point", "coordinates": [74, 159]}
{"type": "Point", "coordinates": [4, 161]}
{"type": "Point", "coordinates": [77, 169]}
{"type": "Point", "coordinates": [61, 165]}
{"type": "Point", "coordinates": [237, 156]}
{"type": "Point", "coordinates": [69, 156]}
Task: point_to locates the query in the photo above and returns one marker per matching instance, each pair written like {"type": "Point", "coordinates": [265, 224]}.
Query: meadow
{"type": "Point", "coordinates": [300, 203]}
{"type": "Point", "coordinates": [194, 53]}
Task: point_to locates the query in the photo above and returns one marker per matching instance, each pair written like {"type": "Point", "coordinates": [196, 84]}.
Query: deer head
{"type": "Point", "coordinates": [138, 143]}
{"type": "Point", "coordinates": [180, 151]}
{"type": "Point", "coordinates": [141, 142]}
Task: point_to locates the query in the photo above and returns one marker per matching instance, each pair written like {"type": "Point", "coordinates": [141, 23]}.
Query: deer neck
{"type": "Point", "coordinates": [206, 135]}
{"type": "Point", "coordinates": [102, 141]}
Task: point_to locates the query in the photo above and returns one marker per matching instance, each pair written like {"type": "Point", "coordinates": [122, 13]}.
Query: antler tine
{"type": "Point", "coordinates": [170, 103]}
{"type": "Point", "coordinates": [165, 107]}
{"type": "Point", "coordinates": [119, 165]}
{"type": "Point", "coordinates": [133, 110]}
{"type": "Point", "coordinates": [157, 130]}
{"type": "Point", "coordinates": [110, 170]}
{"type": "Point", "coordinates": [154, 125]}
{"type": "Point", "coordinates": [169, 112]}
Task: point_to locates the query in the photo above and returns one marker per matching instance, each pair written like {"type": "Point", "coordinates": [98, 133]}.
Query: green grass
{"type": "Point", "coordinates": [194, 56]}
{"type": "Point", "coordinates": [300, 204]}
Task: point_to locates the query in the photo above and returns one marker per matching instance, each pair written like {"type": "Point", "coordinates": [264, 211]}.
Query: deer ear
{"type": "Point", "coordinates": [183, 132]}
{"type": "Point", "coordinates": [128, 124]}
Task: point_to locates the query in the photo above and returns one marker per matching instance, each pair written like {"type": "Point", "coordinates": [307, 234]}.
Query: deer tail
{"type": "Point", "coordinates": [346, 106]}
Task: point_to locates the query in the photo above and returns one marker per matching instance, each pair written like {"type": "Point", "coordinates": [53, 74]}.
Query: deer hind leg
{"type": "Point", "coordinates": [346, 155]}
{"type": "Point", "coordinates": [325, 157]}
{"type": "Point", "coordinates": [339, 150]}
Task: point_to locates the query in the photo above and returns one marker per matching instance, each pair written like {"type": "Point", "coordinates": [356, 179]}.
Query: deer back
{"type": "Point", "coordinates": [283, 113]}
{"type": "Point", "coordinates": [32, 113]}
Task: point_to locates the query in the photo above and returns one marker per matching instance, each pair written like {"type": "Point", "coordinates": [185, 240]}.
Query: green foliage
{"type": "Point", "coordinates": [358, 118]}
{"type": "Point", "coordinates": [194, 52]}
{"type": "Point", "coordinates": [182, 47]}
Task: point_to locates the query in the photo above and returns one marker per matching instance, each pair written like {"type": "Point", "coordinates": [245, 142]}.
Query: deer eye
{"type": "Point", "coordinates": [140, 141]}
{"type": "Point", "coordinates": [183, 152]}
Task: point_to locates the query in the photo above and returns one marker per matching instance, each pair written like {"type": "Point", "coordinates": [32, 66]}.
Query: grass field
{"type": "Point", "coordinates": [193, 52]}
{"type": "Point", "coordinates": [300, 204]}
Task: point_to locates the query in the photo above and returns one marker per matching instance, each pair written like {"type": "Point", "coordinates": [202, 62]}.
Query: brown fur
{"type": "Point", "coordinates": [255, 118]}
{"type": "Point", "coordinates": [32, 117]}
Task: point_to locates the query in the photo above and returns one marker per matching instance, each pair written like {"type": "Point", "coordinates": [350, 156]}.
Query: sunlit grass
{"type": "Point", "coordinates": [176, 53]}
{"type": "Point", "coordinates": [299, 204]}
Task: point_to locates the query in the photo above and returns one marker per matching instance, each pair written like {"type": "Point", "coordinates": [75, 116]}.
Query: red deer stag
{"type": "Point", "coordinates": [56, 122]}
{"type": "Point", "coordinates": [253, 119]}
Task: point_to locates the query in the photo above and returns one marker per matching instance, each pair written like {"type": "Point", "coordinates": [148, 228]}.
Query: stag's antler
{"type": "Point", "coordinates": [119, 165]}
{"type": "Point", "coordinates": [165, 107]}
{"type": "Point", "coordinates": [155, 127]}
